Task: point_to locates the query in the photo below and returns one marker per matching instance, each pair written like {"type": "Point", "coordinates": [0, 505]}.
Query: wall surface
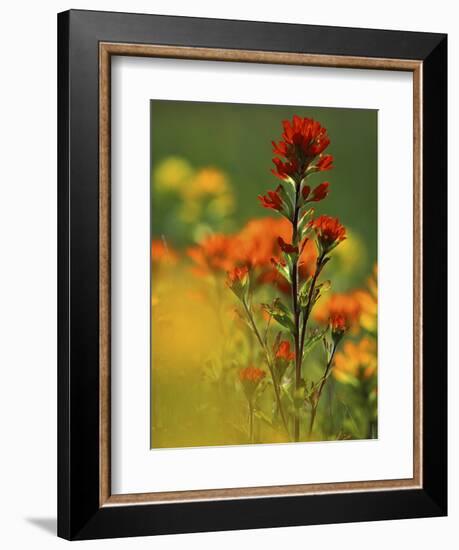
{"type": "Point", "coordinates": [28, 271]}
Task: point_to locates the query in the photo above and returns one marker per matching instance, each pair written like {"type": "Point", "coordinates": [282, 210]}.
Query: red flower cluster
{"type": "Point", "coordinates": [286, 247]}
{"type": "Point", "coordinates": [340, 311]}
{"type": "Point", "coordinates": [318, 193]}
{"type": "Point", "coordinates": [338, 326]}
{"type": "Point", "coordinates": [237, 280]}
{"type": "Point", "coordinates": [303, 142]}
{"type": "Point", "coordinates": [338, 322]}
{"type": "Point", "coordinates": [252, 374]}
{"type": "Point", "coordinates": [329, 231]}
{"type": "Point", "coordinates": [250, 377]}
{"type": "Point", "coordinates": [237, 275]}
{"type": "Point", "coordinates": [272, 199]}
{"type": "Point", "coordinates": [283, 351]}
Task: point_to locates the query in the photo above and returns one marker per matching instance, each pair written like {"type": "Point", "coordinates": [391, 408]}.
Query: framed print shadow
{"type": "Point", "coordinates": [252, 275]}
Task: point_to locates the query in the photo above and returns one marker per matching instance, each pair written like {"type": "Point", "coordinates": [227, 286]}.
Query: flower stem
{"type": "Point", "coordinates": [250, 422]}
{"type": "Point", "coordinates": [319, 391]}
{"type": "Point", "coordinates": [296, 309]}
{"type": "Point", "coordinates": [270, 366]}
{"type": "Point", "coordinates": [319, 266]}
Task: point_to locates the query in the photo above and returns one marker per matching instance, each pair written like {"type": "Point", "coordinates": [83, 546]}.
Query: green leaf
{"type": "Point", "coordinates": [284, 271]}
{"type": "Point", "coordinates": [304, 293]}
{"type": "Point", "coordinates": [303, 225]}
{"type": "Point", "coordinates": [285, 321]}
{"type": "Point", "coordinates": [312, 340]}
{"type": "Point", "coordinates": [288, 201]}
{"type": "Point", "coordinates": [263, 417]}
{"type": "Point", "coordinates": [281, 314]}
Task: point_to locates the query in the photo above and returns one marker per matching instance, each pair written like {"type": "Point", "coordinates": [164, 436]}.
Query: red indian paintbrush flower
{"type": "Point", "coordinates": [286, 247]}
{"type": "Point", "coordinates": [283, 357]}
{"type": "Point", "coordinates": [318, 193]}
{"type": "Point", "coordinates": [324, 163]}
{"type": "Point", "coordinates": [338, 322]}
{"type": "Point", "coordinates": [251, 374]}
{"type": "Point", "coordinates": [237, 275]}
{"type": "Point", "coordinates": [284, 170]}
{"type": "Point", "coordinates": [272, 200]}
{"type": "Point", "coordinates": [250, 378]}
{"type": "Point", "coordinates": [329, 232]}
{"type": "Point", "coordinates": [303, 142]}
{"type": "Point", "coordinates": [284, 352]}
{"type": "Point", "coordinates": [237, 280]}
{"type": "Point", "coordinates": [338, 326]}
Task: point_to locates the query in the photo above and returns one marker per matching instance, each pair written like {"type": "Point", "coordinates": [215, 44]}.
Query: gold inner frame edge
{"type": "Point", "coordinates": [106, 51]}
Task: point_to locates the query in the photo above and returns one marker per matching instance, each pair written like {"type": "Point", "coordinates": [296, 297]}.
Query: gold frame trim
{"type": "Point", "coordinates": [106, 51]}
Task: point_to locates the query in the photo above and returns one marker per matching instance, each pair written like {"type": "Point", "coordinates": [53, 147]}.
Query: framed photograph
{"type": "Point", "coordinates": [252, 275]}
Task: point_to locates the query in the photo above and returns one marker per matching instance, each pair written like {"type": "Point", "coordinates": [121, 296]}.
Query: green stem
{"type": "Point", "coordinates": [319, 266]}
{"type": "Point", "coordinates": [296, 310]}
{"type": "Point", "coordinates": [250, 422]}
{"type": "Point", "coordinates": [270, 366]}
{"type": "Point", "coordinates": [319, 392]}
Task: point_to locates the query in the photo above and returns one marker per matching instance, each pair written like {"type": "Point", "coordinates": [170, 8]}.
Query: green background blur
{"type": "Point", "coordinates": [236, 138]}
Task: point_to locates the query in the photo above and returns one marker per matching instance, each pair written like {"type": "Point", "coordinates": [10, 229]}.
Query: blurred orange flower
{"type": "Point", "coordinates": [251, 374]}
{"type": "Point", "coordinates": [214, 254]}
{"type": "Point", "coordinates": [356, 361]}
{"type": "Point", "coordinates": [343, 308]}
{"type": "Point", "coordinates": [255, 247]}
{"type": "Point", "coordinates": [237, 274]}
{"type": "Point", "coordinates": [259, 241]}
{"type": "Point", "coordinates": [284, 352]}
{"type": "Point", "coordinates": [237, 280]}
{"type": "Point", "coordinates": [250, 378]}
{"type": "Point", "coordinates": [338, 323]}
{"type": "Point", "coordinates": [368, 299]}
{"type": "Point", "coordinates": [162, 253]}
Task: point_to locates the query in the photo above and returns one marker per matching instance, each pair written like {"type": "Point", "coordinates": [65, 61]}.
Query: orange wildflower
{"type": "Point", "coordinates": [303, 142]}
{"type": "Point", "coordinates": [341, 310]}
{"type": "Point", "coordinates": [258, 240]}
{"type": "Point", "coordinates": [338, 322]}
{"type": "Point", "coordinates": [162, 253]}
{"type": "Point", "coordinates": [237, 280]}
{"type": "Point", "coordinates": [368, 299]}
{"type": "Point", "coordinates": [250, 378]}
{"type": "Point", "coordinates": [356, 361]}
{"type": "Point", "coordinates": [237, 275]}
{"type": "Point", "coordinates": [284, 352]}
{"type": "Point", "coordinates": [329, 231]}
{"type": "Point", "coordinates": [252, 374]}
{"type": "Point", "coordinates": [214, 254]}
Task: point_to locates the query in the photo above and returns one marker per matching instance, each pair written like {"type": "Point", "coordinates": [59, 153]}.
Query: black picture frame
{"type": "Point", "coordinates": [80, 515]}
